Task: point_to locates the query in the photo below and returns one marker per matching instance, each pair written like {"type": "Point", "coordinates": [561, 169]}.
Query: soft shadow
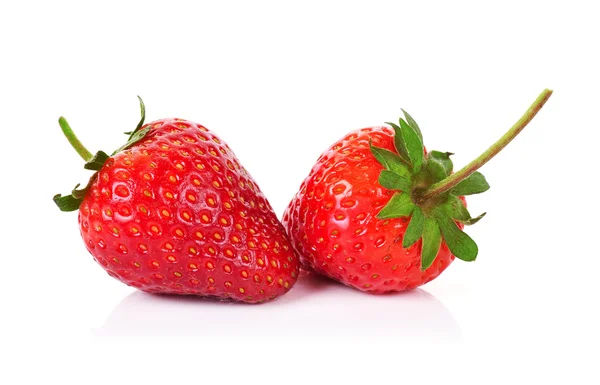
{"type": "Point", "coordinates": [315, 306]}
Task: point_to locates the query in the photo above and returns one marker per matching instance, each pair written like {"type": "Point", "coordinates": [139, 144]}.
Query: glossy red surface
{"type": "Point", "coordinates": [176, 213]}
{"type": "Point", "coordinates": [333, 226]}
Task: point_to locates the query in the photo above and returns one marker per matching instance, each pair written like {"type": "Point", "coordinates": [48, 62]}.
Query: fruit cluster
{"type": "Point", "coordinates": [174, 211]}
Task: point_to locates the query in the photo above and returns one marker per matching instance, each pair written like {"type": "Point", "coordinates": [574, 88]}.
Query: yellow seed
{"type": "Point", "coordinates": [199, 235]}
{"type": "Point", "coordinates": [168, 246]}
{"type": "Point", "coordinates": [191, 198]}
{"type": "Point", "coordinates": [227, 268]}
{"type": "Point", "coordinates": [136, 264]}
{"type": "Point", "coordinates": [147, 193]}
{"type": "Point", "coordinates": [211, 202]}
{"type": "Point", "coordinates": [211, 250]}
{"type": "Point", "coordinates": [242, 290]}
{"type": "Point", "coordinates": [165, 213]}
{"type": "Point", "coordinates": [227, 205]}
{"type": "Point", "coordinates": [273, 263]}
{"type": "Point", "coordinates": [192, 250]}
{"type": "Point", "coordinates": [260, 262]}
{"type": "Point", "coordinates": [169, 195]}
{"type": "Point", "coordinates": [217, 236]}
{"type": "Point", "coordinates": [171, 258]}
{"type": "Point", "coordinates": [210, 266]}
{"type": "Point", "coordinates": [179, 233]}
{"type": "Point", "coordinates": [177, 274]}
{"type": "Point", "coordinates": [205, 218]}
{"type": "Point", "coordinates": [196, 181]}
{"type": "Point", "coordinates": [186, 215]}
{"type": "Point", "coordinates": [229, 253]}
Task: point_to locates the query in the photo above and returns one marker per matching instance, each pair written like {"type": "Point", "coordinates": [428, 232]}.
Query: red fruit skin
{"type": "Point", "coordinates": [176, 213]}
{"type": "Point", "coordinates": [332, 221]}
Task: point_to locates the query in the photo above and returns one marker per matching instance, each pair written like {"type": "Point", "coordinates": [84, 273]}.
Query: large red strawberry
{"type": "Point", "coordinates": [173, 211]}
{"type": "Point", "coordinates": [379, 213]}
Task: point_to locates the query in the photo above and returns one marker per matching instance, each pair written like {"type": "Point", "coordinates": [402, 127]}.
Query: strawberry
{"type": "Point", "coordinates": [173, 211]}
{"type": "Point", "coordinates": [381, 214]}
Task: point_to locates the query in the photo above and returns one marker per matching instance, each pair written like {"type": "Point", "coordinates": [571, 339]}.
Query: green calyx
{"type": "Point", "coordinates": [428, 191]}
{"type": "Point", "coordinates": [93, 162]}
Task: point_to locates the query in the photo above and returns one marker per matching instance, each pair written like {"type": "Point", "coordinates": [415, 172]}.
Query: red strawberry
{"type": "Point", "coordinates": [173, 211]}
{"type": "Point", "coordinates": [379, 213]}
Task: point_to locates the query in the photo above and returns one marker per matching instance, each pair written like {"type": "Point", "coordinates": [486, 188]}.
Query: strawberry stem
{"type": "Point", "coordinates": [72, 138]}
{"type": "Point", "coordinates": [454, 179]}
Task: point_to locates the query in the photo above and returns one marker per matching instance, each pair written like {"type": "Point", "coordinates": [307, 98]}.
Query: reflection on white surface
{"type": "Point", "coordinates": [315, 306]}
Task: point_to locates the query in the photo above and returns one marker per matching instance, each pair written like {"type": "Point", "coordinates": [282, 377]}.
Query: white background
{"type": "Point", "coordinates": [281, 81]}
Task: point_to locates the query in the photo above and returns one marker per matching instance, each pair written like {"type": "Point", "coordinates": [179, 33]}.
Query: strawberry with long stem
{"type": "Point", "coordinates": [379, 213]}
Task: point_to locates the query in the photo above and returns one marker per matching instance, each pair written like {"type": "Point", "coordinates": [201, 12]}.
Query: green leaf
{"type": "Point", "coordinates": [432, 239]}
{"type": "Point", "coordinates": [459, 243]}
{"type": "Point", "coordinates": [392, 181]}
{"type": "Point", "coordinates": [97, 161]}
{"type": "Point", "coordinates": [399, 143]}
{"type": "Point", "coordinates": [390, 161]}
{"type": "Point", "coordinates": [414, 229]}
{"type": "Point", "coordinates": [414, 145]}
{"type": "Point", "coordinates": [455, 208]}
{"type": "Point", "coordinates": [443, 158]}
{"type": "Point", "coordinates": [413, 124]}
{"type": "Point", "coordinates": [473, 184]}
{"type": "Point", "coordinates": [399, 206]}
{"type": "Point", "coordinates": [67, 202]}
{"type": "Point", "coordinates": [472, 221]}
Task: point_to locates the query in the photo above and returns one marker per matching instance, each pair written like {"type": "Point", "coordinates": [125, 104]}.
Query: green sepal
{"type": "Point", "coordinates": [443, 158]}
{"type": "Point", "coordinates": [392, 181]}
{"type": "Point", "coordinates": [455, 208]}
{"type": "Point", "coordinates": [459, 243]}
{"type": "Point", "coordinates": [73, 201]}
{"type": "Point", "coordinates": [142, 117]}
{"type": "Point", "coordinates": [97, 161]}
{"type": "Point", "coordinates": [390, 161]}
{"type": "Point", "coordinates": [414, 145]}
{"type": "Point", "coordinates": [67, 203]}
{"type": "Point", "coordinates": [472, 221]}
{"type": "Point", "coordinates": [400, 144]}
{"type": "Point", "coordinates": [473, 184]}
{"type": "Point", "coordinates": [414, 229]}
{"type": "Point", "coordinates": [400, 205]}
{"type": "Point", "coordinates": [413, 124]}
{"type": "Point", "coordinates": [432, 240]}
{"type": "Point", "coordinates": [133, 139]}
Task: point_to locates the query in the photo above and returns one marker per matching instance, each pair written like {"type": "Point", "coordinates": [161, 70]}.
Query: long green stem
{"type": "Point", "coordinates": [72, 138]}
{"type": "Point", "coordinates": [454, 179]}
